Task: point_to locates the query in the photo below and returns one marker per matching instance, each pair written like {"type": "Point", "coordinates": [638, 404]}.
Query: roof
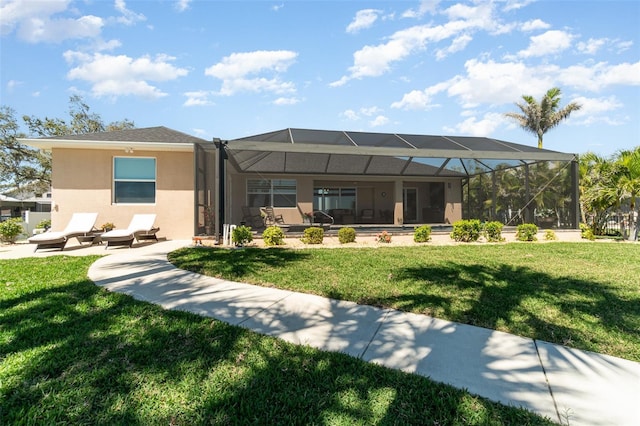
{"type": "Point", "coordinates": [364, 153]}
{"type": "Point", "coordinates": [150, 138]}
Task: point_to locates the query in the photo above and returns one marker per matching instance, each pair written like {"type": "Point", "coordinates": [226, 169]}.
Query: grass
{"type": "Point", "coordinates": [73, 353]}
{"type": "Point", "coordinates": [583, 295]}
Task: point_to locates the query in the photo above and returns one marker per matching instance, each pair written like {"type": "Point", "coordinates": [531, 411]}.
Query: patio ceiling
{"type": "Point", "coordinates": [304, 151]}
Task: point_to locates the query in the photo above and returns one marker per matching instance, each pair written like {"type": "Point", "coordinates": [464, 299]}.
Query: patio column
{"type": "Point", "coordinates": [398, 211]}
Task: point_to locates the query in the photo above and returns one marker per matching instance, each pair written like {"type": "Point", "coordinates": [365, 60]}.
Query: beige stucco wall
{"type": "Point", "coordinates": [82, 182]}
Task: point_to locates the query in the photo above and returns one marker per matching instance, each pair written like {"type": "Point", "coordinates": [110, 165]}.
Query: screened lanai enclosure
{"type": "Point", "coordinates": [360, 178]}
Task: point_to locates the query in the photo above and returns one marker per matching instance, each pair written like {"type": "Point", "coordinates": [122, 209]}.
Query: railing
{"type": "Point", "coordinates": [323, 216]}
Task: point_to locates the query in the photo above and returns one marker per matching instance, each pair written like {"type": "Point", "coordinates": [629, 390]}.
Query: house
{"type": "Point", "coordinates": [195, 185]}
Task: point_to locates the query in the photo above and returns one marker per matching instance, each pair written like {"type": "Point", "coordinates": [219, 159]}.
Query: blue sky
{"type": "Point", "coordinates": [230, 69]}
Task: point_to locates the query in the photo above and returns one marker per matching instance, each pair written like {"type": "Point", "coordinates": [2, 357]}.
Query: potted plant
{"type": "Point", "coordinates": [107, 226]}
{"type": "Point", "coordinates": [546, 217]}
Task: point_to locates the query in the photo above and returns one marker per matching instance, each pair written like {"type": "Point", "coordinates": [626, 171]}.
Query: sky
{"type": "Point", "coordinates": [230, 69]}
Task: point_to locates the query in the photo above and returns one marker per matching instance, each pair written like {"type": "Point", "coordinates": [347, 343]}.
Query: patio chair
{"type": "Point", "coordinates": [80, 225]}
{"type": "Point", "coordinates": [270, 218]}
{"type": "Point", "coordinates": [140, 228]}
{"type": "Point", "coordinates": [252, 217]}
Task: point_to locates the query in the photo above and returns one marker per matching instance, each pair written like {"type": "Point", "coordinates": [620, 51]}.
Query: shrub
{"type": "Point", "coordinates": [10, 229]}
{"type": "Point", "coordinates": [549, 235]}
{"type": "Point", "coordinates": [241, 235]}
{"type": "Point", "coordinates": [422, 234]}
{"type": "Point", "coordinates": [586, 232]}
{"type": "Point", "coordinates": [384, 237]}
{"type": "Point", "coordinates": [466, 231]}
{"type": "Point", "coordinates": [526, 232]}
{"type": "Point", "coordinates": [493, 231]}
{"type": "Point", "coordinates": [44, 224]}
{"type": "Point", "coordinates": [313, 235]}
{"type": "Point", "coordinates": [346, 235]}
{"type": "Point", "coordinates": [273, 236]}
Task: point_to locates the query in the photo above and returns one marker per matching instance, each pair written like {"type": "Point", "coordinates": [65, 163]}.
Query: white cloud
{"type": "Point", "coordinates": [277, 7]}
{"type": "Point", "coordinates": [426, 6]}
{"type": "Point", "coordinates": [621, 46]}
{"type": "Point", "coordinates": [596, 76]}
{"type": "Point", "coordinates": [350, 115]}
{"type": "Point", "coordinates": [128, 17]}
{"type": "Point", "coordinates": [374, 61]}
{"type": "Point", "coordinates": [364, 19]}
{"type": "Point", "coordinates": [591, 46]}
{"type": "Point", "coordinates": [12, 84]}
{"type": "Point", "coordinates": [370, 111]}
{"type": "Point", "coordinates": [286, 101]}
{"type": "Point", "coordinates": [198, 98]}
{"type": "Point", "coordinates": [549, 43]}
{"type": "Point", "coordinates": [458, 44]}
{"type": "Point", "coordinates": [516, 4]}
{"type": "Point", "coordinates": [122, 75]}
{"type": "Point", "coordinates": [234, 69]}
{"type": "Point", "coordinates": [534, 25]}
{"type": "Point", "coordinates": [421, 99]}
{"type": "Point", "coordinates": [474, 126]}
{"type": "Point", "coordinates": [14, 13]}
{"type": "Point", "coordinates": [380, 120]}
{"type": "Point", "coordinates": [597, 110]}
{"type": "Point", "coordinates": [182, 5]}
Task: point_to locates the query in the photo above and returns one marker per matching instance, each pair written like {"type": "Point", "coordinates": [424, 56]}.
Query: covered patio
{"type": "Point", "coordinates": [380, 178]}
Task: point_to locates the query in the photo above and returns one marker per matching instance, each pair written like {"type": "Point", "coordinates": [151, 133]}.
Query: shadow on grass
{"type": "Point", "coordinates": [530, 303]}
{"type": "Point", "coordinates": [74, 353]}
{"type": "Point", "coordinates": [233, 263]}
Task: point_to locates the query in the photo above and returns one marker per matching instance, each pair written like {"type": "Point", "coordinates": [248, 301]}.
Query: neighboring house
{"type": "Point", "coordinates": [194, 185]}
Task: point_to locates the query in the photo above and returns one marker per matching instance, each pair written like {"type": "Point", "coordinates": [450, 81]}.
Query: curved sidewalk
{"type": "Point", "coordinates": [566, 385]}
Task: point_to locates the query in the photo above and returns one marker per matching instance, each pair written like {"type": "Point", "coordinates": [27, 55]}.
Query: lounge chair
{"type": "Point", "coordinates": [251, 216]}
{"type": "Point", "coordinates": [80, 225]}
{"type": "Point", "coordinates": [140, 228]}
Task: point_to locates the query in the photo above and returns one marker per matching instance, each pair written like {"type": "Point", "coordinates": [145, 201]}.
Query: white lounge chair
{"type": "Point", "coordinates": [140, 228]}
{"type": "Point", "coordinates": [80, 225]}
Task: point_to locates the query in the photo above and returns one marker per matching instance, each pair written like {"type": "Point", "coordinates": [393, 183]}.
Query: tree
{"type": "Point", "coordinates": [28, 169]}
{"type": "Point", "coordinates": [540, 117]}
{"type": "Point", "coordinates": [21, 167]}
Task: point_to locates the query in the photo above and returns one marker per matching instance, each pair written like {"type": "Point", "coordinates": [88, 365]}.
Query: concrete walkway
{"type": "Point", "coordinates": [566, 385]}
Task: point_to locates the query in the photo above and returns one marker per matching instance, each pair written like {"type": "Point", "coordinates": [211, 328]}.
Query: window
{"type": "Point", "coordinates": [326, 199]}
{"type": "Point", "coordinates": [134, 180]}
{"type": "Point", "coordinates": [271, 192]}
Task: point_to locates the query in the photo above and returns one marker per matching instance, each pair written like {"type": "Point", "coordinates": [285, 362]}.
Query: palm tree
{"type": "Point", "coordinates": [539, 118]}
{"type": "Point", "coordinates": [629, 183]}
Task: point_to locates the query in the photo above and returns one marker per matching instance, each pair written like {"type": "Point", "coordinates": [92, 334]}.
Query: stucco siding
{"type": "Point", "coordinates": [82, 181]}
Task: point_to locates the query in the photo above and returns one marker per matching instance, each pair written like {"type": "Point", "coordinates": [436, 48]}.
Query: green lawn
{"type": "Point", "coordinates": [584, 295]}
{"type": "Point", "coordinates": [73, 353]}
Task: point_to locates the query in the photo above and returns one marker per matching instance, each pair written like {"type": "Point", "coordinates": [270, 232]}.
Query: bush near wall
{"type": "Point", "coordinates": [273, 236]}
{"type": "Point", "coordinates": [346, 235]}
{"type": "Point", "coordinates": [313, 235]}
{"type": "Point", "coordinates": [241, 235]}
{"type": "Point", "coordinates": [422, 234]}
{"type": "Point", "coordinates": [526, 232]}
{"type": "Point", "coordinates": [466, 231]}
{"type": "Point", "coordinates": [493, 231]}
